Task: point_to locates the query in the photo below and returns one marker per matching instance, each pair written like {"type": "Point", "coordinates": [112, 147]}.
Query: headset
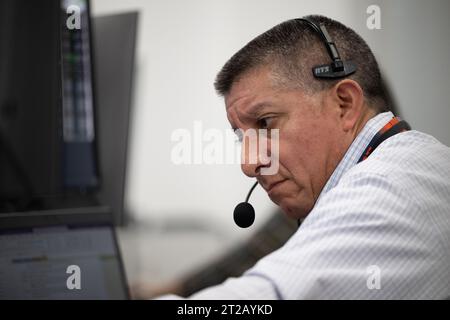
{"type": "Point", "coordinates": [244, 213]}
{"type": "Point", "coordinates": [337, 68]}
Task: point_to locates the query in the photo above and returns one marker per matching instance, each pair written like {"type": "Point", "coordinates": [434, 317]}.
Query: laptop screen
{"type": "Point", "coordinates": [61, 261]}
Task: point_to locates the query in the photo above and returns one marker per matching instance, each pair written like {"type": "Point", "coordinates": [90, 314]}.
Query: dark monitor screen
{"type": "Point", "coordinates": [77, 96]}
{"type": "Point", "coordinates": [47, 115]}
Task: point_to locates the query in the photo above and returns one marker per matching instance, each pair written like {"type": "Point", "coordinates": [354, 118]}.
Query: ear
{"type": "Point", "coordinates": [350, 99]}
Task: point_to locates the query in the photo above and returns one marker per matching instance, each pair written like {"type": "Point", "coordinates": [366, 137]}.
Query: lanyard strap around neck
{"type": "Point", "coordinates": [394, 126]}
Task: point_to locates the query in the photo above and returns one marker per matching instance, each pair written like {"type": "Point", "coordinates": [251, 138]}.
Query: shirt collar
{"type": "Point", "coordinates": [356, 149]}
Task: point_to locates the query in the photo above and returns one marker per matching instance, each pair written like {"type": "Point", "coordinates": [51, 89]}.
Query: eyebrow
{"type": "Point", "coordinates": [254, 111]}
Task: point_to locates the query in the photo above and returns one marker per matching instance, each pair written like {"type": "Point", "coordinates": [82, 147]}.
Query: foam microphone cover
{"type": "Point", "coordinates": [244, 215]}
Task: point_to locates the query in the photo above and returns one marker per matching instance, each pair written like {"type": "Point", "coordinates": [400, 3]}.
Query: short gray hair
{"type": "Point", "coordinates": [292, 48]}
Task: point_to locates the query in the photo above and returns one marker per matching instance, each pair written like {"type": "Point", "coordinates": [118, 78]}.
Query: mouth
{"type": "Point", "coordinates": [272, 187]}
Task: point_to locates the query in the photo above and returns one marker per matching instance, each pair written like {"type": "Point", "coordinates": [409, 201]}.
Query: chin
{"type": "Point", "coordinates": [295, 203]}
{"type": "Point", "coordinates": [295, 209]}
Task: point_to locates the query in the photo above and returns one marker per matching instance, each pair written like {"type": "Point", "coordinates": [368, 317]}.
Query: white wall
{"type": "Point", "coordinates": [413, 49]}
{"type": "Point", "coordinates": [181, 47]}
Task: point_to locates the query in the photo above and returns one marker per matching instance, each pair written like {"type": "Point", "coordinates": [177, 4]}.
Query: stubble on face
{"type": "Point", "coordinates": [309, 146]}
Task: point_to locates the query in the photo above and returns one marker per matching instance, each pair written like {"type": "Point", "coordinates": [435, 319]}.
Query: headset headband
{"type": "Point", "coordinates": [337, 68]}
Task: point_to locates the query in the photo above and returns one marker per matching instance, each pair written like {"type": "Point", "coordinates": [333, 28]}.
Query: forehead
{"type": "Point", "coordinates": [254, 85]}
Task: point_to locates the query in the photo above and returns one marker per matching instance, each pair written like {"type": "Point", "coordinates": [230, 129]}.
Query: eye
{"type": "Point", "coordinates": [239, 135]}
{"type": "Point", "coordinates": [264, 123]}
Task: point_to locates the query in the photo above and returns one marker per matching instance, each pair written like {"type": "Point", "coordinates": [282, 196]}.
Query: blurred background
{"type": "Point", "coordinates": [185, 211]}
{"type": "Point", "coordinates": [154, 64]}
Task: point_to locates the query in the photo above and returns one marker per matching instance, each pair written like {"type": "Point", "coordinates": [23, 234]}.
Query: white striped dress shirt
{"type": "Point", "coordinates": [380, 229]}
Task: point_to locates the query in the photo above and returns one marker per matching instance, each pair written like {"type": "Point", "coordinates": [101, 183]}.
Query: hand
{"type": "Point", "coordinates": [147, 290]}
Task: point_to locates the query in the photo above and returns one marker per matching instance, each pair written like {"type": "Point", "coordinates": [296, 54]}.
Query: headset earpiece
{"type": "Point", "coordinates": [334, 70]}
{"type": "Point", "coordinates": [337, 68]}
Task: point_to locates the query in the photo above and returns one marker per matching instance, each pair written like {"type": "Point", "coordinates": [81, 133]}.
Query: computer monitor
{"type": "Point", "coordinates": [80, 170]}
{"type": "Point", "coordinates": [114, 38]}
{"type": "Point", "coordinates": [63, 254]}
{"type": "Point", "coordinates": [47, 107]}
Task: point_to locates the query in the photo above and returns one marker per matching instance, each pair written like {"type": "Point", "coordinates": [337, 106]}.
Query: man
{"type": "Point", "coordinates": [375, 226]}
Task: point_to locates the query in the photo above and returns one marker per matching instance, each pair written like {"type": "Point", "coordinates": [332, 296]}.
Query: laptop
{"type": "Point", "coordinates": [61, 255]}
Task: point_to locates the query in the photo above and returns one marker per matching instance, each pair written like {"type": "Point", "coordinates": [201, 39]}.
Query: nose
{"type": "Point", "coordinates": [250, 170]}
{"type": "Point", "coordinates": [253, 157]}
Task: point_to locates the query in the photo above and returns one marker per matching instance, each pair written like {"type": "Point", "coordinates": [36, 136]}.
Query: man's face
{"type": "Point", "coordinates": [311, 140]}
